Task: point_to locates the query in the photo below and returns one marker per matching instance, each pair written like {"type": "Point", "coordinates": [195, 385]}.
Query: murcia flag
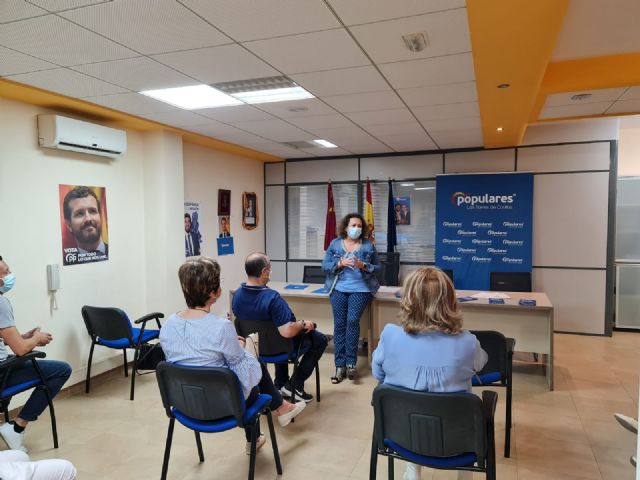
{"type": "Point", "coordinates": [330, 224]}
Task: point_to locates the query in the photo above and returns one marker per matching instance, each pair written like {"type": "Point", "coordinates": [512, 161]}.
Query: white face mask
{"type": "Point", "coordinates": [354, 232]}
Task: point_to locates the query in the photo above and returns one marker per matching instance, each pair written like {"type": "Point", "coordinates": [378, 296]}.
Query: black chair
{"type": "Point", "coordinates": [510, 281]}
{"type": "Point", "coordinates": [449, 273]}
{"type": "Point", "coordinates": [497, 372]}
{"type": "Point", "coordinates": [7, 392]}
{"type": "Point", "coordinates": [389, 271]}
{"type": "Point", "coordinates": [313, 274]}
{"type": "Point", "coordinates": [209, 400]}
{"type": "Point", "coordinates": [111, 327]}
{"type": "Point", "coordinates": [274, 348]}
{"type": "Point", "coordinates": [448, 431]}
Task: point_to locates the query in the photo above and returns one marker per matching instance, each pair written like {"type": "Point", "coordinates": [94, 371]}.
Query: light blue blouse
{"type": "Point", "coordinates": [209, 341]}
{"type": "Point", "coordinates": [430, 361]}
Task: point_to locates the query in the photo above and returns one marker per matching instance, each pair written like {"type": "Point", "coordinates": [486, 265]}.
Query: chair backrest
{"type": "Point", "coordinates": [449, 273]}
{"type": "Point", "coordinates": [202, 393]}
{"type": "Point", "coordinates": [495, 344]}
{"type": "Point", "coordinates": [269, 338]}
{"type": "Point", "coordinates": [313, 274]}
{"type": "Point", "coordinates": [107, 323]}
{"type": "Point", "coordinates": [389, 271]}
{"type": "Point", "coordinates": [430, 424]}
{"type": "Point", "coordinates": [510, 281]}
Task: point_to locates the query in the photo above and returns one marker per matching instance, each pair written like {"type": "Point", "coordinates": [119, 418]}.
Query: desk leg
{"type": "Point", "coordinates": [370, 333]}
{"type": "Point", "coordinates": [550, 356]}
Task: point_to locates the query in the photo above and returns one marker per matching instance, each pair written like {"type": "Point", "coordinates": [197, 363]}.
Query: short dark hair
{"type": "Point", "coordinates": [186, 215]}
{"type": "Point", "coordinates": [199, 278]}
{"type": "Point", "coordinates": [74, 194]}
{"type": "Point", "coordinates": [342, 228]}
{"type": "Point", "coordinates": [255, 263]}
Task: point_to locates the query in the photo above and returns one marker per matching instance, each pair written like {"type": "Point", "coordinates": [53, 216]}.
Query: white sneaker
{"type": "Point", "coordinates": [629, 423]}
{"type": "Point", "coordinates": [260, 441]}
{"type": "Point", "coordinates": [12, 438]}
{"type": "Point", "coordinates": [285, 419]}
{"type": "Point", "coordinates": [412, 472]}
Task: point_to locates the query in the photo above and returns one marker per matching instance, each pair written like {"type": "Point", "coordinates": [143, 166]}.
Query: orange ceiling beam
{"type": "Point", "coordinates": [512, 43]}
{"type": "Point", "coordinates": [97, 113]}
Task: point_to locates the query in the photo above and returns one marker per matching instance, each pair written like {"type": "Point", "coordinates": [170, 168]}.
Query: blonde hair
{"type": "Point", "coordinates": [429, 303]}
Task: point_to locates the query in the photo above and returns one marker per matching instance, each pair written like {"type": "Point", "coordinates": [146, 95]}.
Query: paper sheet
{"type": "Point", "coordinates": [490, 295]}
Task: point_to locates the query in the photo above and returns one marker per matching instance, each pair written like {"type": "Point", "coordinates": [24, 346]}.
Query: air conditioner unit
{"type": "Point", "coordinates": [55, 131]}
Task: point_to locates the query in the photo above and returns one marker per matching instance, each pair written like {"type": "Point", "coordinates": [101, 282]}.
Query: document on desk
{"type": "Point", "coordinates": [387, 289]}
{"type": "Point", "coordinates": [490, 295]}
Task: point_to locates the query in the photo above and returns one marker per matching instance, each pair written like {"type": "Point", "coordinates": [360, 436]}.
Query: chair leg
{"type": "Point", "coordinates": [5, 408]}
{"type": "Point", "coordinates": [199, 444]}
{"type": "Point", "coordinates": [274, 442]}
{"type": "Point", "coordinates": [87, 382]}
{"type": "Point", "coordinates": [293, 388]}
{"type": "Point", "coordinates": [167, 449]}
{"type": "Point", "coordinates": [373, 463]}
{"type": "Point", "coordinates": [318, 381]}
{"type": "Point", "coordinates": [134, 370]}
{"type": "Point", "coordinates": [52, 412]}
{"type": "Point", "coordinates": [254, 437]}
{"type": "Point", "coordinates": [390, 467]}
{"type": "Point", "coordinates": [507, 424]}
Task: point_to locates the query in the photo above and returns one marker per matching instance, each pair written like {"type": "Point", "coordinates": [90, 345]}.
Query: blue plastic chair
{"type": "Point", "coordinates": [111, 327]}
{"type": "Point", "coordinates": [447, 431]}
{"type": "Point", "coordinates": [8, 392]}
{"type": "Point", "coordinates": [498, 372]}
{"type": "Point", "coordinates": [210, 400]}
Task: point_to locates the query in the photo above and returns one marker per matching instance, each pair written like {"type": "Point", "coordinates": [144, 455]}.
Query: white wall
{"type": "Point", "coordinates": [629, 152]}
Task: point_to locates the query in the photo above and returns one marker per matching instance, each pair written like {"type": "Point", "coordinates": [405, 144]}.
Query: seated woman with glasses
{"type": "Point", "coordinates": [429, 350]}
{"type": "Point", "coordinates": [197, 337]}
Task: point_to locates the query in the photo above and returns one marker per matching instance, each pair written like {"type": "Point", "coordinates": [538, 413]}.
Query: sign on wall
{"type": "Point", "coordinates": [483, 224]}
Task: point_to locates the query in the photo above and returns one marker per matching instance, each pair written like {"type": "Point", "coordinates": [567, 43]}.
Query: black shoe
{"type": "Point", "coordinates": [286, 391]}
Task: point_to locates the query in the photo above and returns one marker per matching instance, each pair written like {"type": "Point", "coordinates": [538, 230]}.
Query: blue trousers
{"type": "Point", "coordinates": [56, 373]}
{"type": "Point", "coordinates": [347, 310]}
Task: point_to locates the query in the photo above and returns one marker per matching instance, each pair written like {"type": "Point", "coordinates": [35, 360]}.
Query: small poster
{"type": "Point", "coordinates": [224, 202]}
{"type": "Point", "coordinates": [402, 206]}
{"type": "Point", "coordinates": [83, 221]}
{"type": "Point", "coordinates": [224, 226]}
{"type": "Point", "coordinates": [249, 210]}
{"type": "Point", "coordinates": [192, 236]}
{"type": "Point", "coordinates": [225, 246]}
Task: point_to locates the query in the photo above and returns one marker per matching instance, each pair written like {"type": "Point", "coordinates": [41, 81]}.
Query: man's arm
{"type": "Point", "coordinates": [286, 321]}
{"type": "Point", "coordinates": [295, 328]}
{"type": "Point", "coordinates": [20, 345]}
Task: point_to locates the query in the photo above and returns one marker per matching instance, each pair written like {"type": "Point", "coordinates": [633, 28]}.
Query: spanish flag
{"type": "Point", "coordinates": [368, 214]}
{"type": "Point", "coordinates": [330, 231]}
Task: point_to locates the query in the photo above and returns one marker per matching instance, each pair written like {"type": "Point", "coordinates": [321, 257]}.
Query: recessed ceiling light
{"type": "Point", "coordinates": [264, 90]}
{"type": "Point", "coordinates": [193, 97]}
{"type": "Point", "coordinates": [416, 42]}
{"type": "Point", "coordinates": [407, 184]}
{"type": "Point", "coordinates": [425, 188]}
{"type": "Point", "coordinates": [277, 95]}
{"type": "Point", "coordinates": [325, 143]}
{"type": "Point", "coordinates": [504, 85]}
{"type": "Point", "coordinates": [581, 96]}
{"type": "Point", "coordinates": [499, 129]}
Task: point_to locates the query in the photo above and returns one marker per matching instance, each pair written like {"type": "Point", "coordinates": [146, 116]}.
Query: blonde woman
{"type": "Point", "coordinates": [429, 350]}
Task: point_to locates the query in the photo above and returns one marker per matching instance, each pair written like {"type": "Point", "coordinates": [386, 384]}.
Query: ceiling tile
{"type": "Point", "coordinates": [227, 133]}
{"type": "Point", "coordinates": [451, 110]}
{"type": "Point", "coordinates": [280, 150]}
{"type": "Point", "coordinates": [312, 123]}
{"type": "Point", "coordinates": [58, 5]}
{"type": "Point", "coordinates": [342, 82]}
{"type": "Point", "coordinates": [447, 33]}
{"type": "Point", "coordinates": [325, 152]}
{"type": "Point", "coordinates": [12, 10]}
{"type": "Point", "coordinates": [599, 95]}
{"type": "Point", "coordinates": [177, 118]}
{"type": "Point", "coordinates": [137, 74]}
{"type": "Point", "coordinates": [625, 106]}
{"type": "Point", "coordinates": [461, 138]}
{"type": "Point", "coordinates": [362, 102]}
{"type": "Point", "coordinates": [395, 129]}
{"type": "Point", "coordinates": [133, 103]}
{"type": "Point", "coordinates": [67, 82]}
{"type": "Point", "coordinates": [245, 20]}
{"type": "Point", "coordinates": [56, 40]}
{"type": "Point", "coordinates": [382, 117]}
{"type": "Point", "coordinates": [234, 114]}
{"type": "Point", "coordinates": [276, 130]}
{"type": "Point", "coordinates": [297, 108]}
{"type": "Point", "coordinates": [148, 26]}
{"type": "Point", "coordinates": [439, 94]}
{"type": "Point", "coordinates": [218, 64]}
{"type": "Point", "coordinates": [353, 13]}
{"type": "Point", "coordinates": [363, 148]}
{"type": "Point", "coordinates": [409, 142]}
{"type": "Point", "coordinates": [452, 124]}
{"type": "Point", "coordinates": [310, 52]}
{"type": "Point", "coordinates": [12, 62]}
{"type": "Point", "coordinates": [338, 135]}
{"type": "Point", "coordinates": [430, 71]}
{"type": "Point", "coordinates": [631, 94]}
{"type": "Point", "coordinates": [574, 110]}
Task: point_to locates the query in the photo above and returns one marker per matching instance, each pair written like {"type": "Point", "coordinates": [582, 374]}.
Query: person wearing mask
{"type": "Point", "coordinates": [350, 263]}
{"type": "Point", "coordinates": [429, 351]}
{"type": "Point", "coordinates": [197, 337]}
{"type": "Point", "coordinates": [56, 373]}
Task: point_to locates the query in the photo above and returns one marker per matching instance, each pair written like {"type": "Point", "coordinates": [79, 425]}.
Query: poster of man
{"type": "Point", "coordinates": [249, 210]}
{"type": "Point", "coordinates": [402, 206]}
{"type": "Point", "coordinates": [83, 221]}
{"type": "Point", "coordinates": [225, 227]}
{"type": "Point", "coordinates": [192, 237]}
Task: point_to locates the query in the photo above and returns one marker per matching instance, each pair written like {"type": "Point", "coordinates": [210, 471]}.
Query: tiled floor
{"type": "Point", "coordinates": [566, 434]}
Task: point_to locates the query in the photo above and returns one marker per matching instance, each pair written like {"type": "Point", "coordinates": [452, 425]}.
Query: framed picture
{"type": "Point", "coordinates": [224, 202]}
{"type": "Point", "coordinates": [402, 207]}
{"type": "Point", "coordinates": [249, 210]}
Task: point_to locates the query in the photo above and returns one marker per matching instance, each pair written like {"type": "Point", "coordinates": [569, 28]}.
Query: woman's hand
{"type": "Point", "coordinates": [347, 262]}
{"type": "Point", "coordinates": [361, 265]}
{"type": "Point", "coordinates": [242, 342]}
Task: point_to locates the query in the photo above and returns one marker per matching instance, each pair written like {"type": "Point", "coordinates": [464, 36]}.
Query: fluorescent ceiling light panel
{"type": "Point", "coordinates": [192, 98]}
{"type": "Point", "coordinates": [425, 188]}
{"type": "Point", "coordinates": [325, 144]}
{"type": "Point", "coordinates": [407, 184]}
{"type": "Point", "coordinates": [264, 90]}
{"type": "Point", "coordinates": [277, 95]}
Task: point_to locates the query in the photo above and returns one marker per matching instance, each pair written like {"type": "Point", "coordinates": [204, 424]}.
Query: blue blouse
{"type": "Point", "coordinates": [430, 361]}
{"type": "Point", "coordinates": [341, 278]}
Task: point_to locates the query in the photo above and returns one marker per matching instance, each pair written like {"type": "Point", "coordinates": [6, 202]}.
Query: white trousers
{"type": "Point", "coordinates": [15, 465]}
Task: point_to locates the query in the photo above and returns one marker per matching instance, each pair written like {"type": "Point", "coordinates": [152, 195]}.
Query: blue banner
{"type": "Point", "coordinates": [483, 224]}
{"type": "Point", "coordinates": [225, 246]}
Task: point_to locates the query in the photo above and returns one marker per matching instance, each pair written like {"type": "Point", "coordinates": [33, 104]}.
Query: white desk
{"type": "Point", "coordinates": [531, 327]}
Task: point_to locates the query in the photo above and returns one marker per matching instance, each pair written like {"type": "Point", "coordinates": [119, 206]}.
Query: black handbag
{"type": "Point", "coordinates": [149, 356]}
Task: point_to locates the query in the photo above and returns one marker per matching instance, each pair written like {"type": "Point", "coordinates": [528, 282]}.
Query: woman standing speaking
{"type": "Point", "coordinates": [350, 264]}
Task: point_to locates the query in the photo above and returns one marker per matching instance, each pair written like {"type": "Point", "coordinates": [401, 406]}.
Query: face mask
{"type": "Point", "coordinates": [9, 282]}
{"type": "Point", "coordinates": [354, 232]}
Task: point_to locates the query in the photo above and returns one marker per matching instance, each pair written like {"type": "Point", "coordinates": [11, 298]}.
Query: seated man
{"type": "Point", "coordinates": [56, 373]}
{"type": "Point", "coordinates": [255, 301]}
